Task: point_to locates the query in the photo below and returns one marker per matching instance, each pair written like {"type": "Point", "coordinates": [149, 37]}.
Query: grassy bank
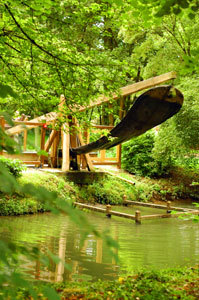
{"type": "Point", "coordinates": [18, 203]}
{"type": "Point", "coordinates": [109, 190]}
{"type": "Point", "coordinates": [154, 285]}
{"type": "Point", "coordinates": [180, 184]}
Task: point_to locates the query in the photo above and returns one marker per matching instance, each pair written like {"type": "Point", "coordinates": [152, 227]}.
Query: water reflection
{"type": "Point", "coordinates": [154, 244]}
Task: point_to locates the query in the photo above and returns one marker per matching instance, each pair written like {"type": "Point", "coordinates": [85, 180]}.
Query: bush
{"type": "Point", "coordinates": [137, 157]}
{"type": "Point", "coordinates": [14, 166]}
{"type": "Point", "coordinates": [108, 191]}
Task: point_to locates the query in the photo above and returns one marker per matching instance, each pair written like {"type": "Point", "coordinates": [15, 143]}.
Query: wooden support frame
{"type": "Point", "coordinates": [69, 139]}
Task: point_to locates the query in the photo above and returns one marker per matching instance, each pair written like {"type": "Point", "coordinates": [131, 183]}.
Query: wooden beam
{"type": "Point", "coordinates": [65, 148]}
{"type": "Point", "coordinates": [87, 157]}
{"type": "Point", "coordinates": [159, 206]}
{"type": "Point", "coordinates": [102, 126]}
{"type": "Point", "coordinates": [31, 162]}
{"type": "Point", "coordinates": [54, 149]}
{"type": "Point", "coordinates": [104, 210]}
{"type": "Point", "coordinates": [42, 145]}
{"type": "Point", "coordinates": [28, 123]}
{"type": "Point", "coordinates": [168, 215]}
{"type": "Point", "coordinates": [28, 156]}
{"type": "Point", "coordinates": [50, 140]}
{"type": "Point", "coordinates": [121, 109]}
{"type": "Point", "coordinates": [119, 155]}
{"type": "Point", "coordinates": [32, 123]}
{"type": "Point", "coordinates": [110, 115]}
{"type": "Point", "coordinates": [124, 91]}
{"type": "Point", "coordinates": [2, 125]}
{"type": "Point", "coordinates": [132, 88]}
{"type": "Point", "coordinates": [107, 163]}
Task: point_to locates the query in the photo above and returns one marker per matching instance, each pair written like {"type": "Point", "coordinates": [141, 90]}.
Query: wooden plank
{"type": "Point", "coordinates": [103, 210]}
{"type": "Point", "coordinates": [54, 150]}
{"type": "Point", "coordinates": [65, 137]}
{"type": "Point", "coordinates": [73, 132]}
{"type": "Point", "coordinates": [42, 145]}
{"type": "Point", "coordinates": [119, 155]}
{"type": "Point", "coordinates": [106, 163]}
{"type": "Point", "coordinates": [87, 157]}
{"type": "Point", "coordinates": [121, 109]}
{"type": "Point", "coordinates": [169, 215]}
{"type": "Point", "coordinates": [50, 140]}
{"type": "Point", "coordinates": [85, 137]}
{"type": "Point", "coordinates": [102, 155]}
{"type": "Point", "coordinates": [110, 115]}
{"type": "Point", "coordinates": [2, 125]}
{"type": "Point", "coordinates": [102, 126]}
{"type": "Point", "coordinates": [28, 123]}
{"type": "Point", "coordinates": [25, 136]}
{"type": "Point", "coordinates": [159, 206]}
{"type": "Point", "coordinates": [32, 162]}
{"type": "Point", "coordinates": [49, 117]}
{"type": "Point", "coordinates": [27, 156]}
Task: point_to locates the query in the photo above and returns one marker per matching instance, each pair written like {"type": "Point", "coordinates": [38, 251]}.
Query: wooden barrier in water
{"type": "Point", "coordinates": [137, 217]}
{"type": "Point", "coordinates": [166, 207]}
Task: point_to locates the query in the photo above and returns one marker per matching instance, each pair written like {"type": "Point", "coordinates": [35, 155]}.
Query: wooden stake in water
{"type": "Point", "coordinates": [108, 211]}
{"type": "Point", "coordinates": [168, 207]}
{"type": "Point", "coordinates": [124, 200]}
{"type": "Point", "coordinates": [137, 217]}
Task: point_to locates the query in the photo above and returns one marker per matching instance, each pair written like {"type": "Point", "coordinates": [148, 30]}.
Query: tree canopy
{"type": "Point", "coordinates": [83, 49]}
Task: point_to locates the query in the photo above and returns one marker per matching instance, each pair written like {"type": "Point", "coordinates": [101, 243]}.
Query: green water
{"type": "Point", "coordinates": [155, 244]}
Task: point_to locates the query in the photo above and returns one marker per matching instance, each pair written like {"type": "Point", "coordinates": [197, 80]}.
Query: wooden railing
{"type": "Point", "coordinates": [32, 158]}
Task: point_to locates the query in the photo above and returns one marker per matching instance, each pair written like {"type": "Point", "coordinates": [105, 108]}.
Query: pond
{"type": "Point", "coordinates": [155, 244]}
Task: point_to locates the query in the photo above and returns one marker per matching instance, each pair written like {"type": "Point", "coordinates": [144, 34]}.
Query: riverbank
{"type": "Point", "coordinates": [109, 190]}
{"type": "Point", "coordinates": [170, 284]}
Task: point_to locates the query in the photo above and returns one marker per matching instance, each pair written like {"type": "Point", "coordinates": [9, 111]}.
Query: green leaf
{"type": "Point", "coordinates": [50, 293]}
{"type": "Point", "coordinates": [6, 90]}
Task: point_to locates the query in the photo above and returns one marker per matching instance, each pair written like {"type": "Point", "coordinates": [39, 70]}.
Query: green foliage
{"type": "Point", "coordinates": [14, 166]}
{"type": "Point", "coordinates": [154, 285]}
{"type": "Point", "coordinates": [22, 203]}
{"type": "Point", "coordinates": [103, 192]}
{"type": "Point", "coordinates": [137, 157]}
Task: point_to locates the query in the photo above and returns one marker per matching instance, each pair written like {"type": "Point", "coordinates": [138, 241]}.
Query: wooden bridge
{"type": "Point", "coordinates": [51, 136]}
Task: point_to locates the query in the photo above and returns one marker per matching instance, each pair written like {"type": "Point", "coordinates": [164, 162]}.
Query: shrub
{"type": "Point", "coordinates": [108, 191]}
{"type": "Point", "coordinates": [14, 166]}
{"type": "Point", "coordinates": [137, 157]}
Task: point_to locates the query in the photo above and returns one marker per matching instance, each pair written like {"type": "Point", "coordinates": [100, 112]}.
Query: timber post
{"type": "Point", "coordinates": [168, 207]}
{"type": "Point", "coordinates": [137, 217]}
{"type": "Point", "coordinates": [25, 136]}
{"type": "Point", "coordinates": [2, 125]}
{"type": "Point", "coordinates": [42, 146]}
{"type": "Point", "coordinates": [124, 200]}
{"type": "Point", "coordinates": [65, 138]}
{"type": "Point", "coordinates": [108, 211]}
